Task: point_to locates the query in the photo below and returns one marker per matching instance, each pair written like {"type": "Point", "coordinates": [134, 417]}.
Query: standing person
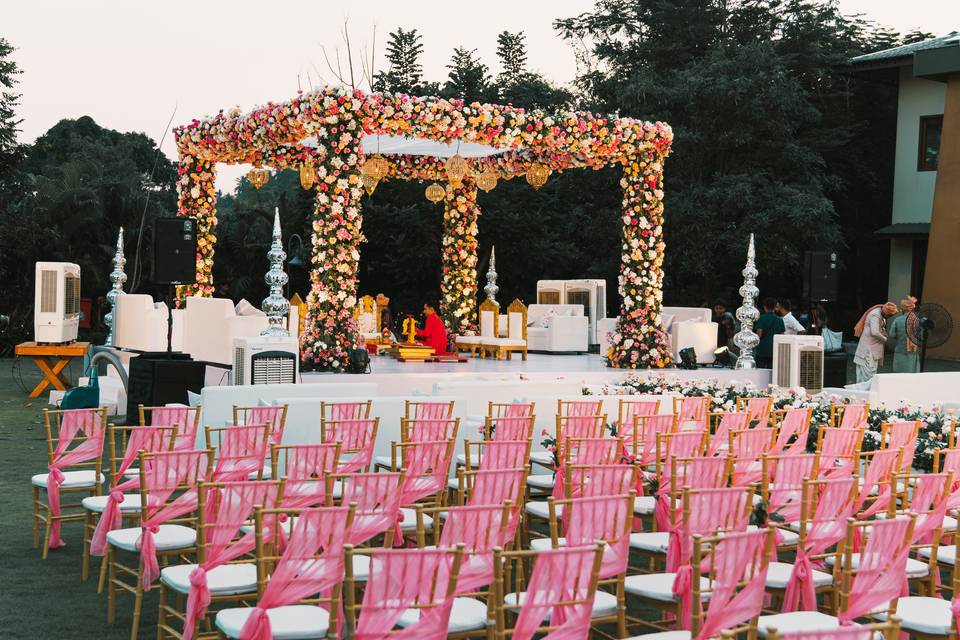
{"type": "Point", "coordinates": [872, 331]}
{"type": "Point", "coordinates": [769, 324]}
{"type": "Point", "coordinates": [726, 325]}
{"type": "Point", "coordinates": [906, 353]}
{"type": "Point", "coordinates": [791, 326]}
{"type": "Point", "coordinates": [433, 334]}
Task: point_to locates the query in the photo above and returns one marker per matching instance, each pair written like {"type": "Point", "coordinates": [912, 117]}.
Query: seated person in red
{"type": "Point", "coordinates": [433, 334]}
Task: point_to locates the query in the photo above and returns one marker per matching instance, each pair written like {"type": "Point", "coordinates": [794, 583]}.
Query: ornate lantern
{"type": "Point", "coordinates": [308, 175]}
{"type": "Point", "coordinates": [488, 179]}
{"type": "Point", "coordinates": [537, 175]}
{"type": "Point", "coordinates": [258, 177]}
{"type": "Point", "coordinates": [370, 184]}
{"type": "Point", "coordinates": [376, 167]}
{"type": "Point", "coordinates": [435, 193]}
{"type": "Point", "coordinates": [457, 169]}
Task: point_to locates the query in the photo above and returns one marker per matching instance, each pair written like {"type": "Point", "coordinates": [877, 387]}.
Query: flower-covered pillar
{"type": "Point", "coordinates": [197, 198]}
{"type": "Point", "coordinates": [458, 258]}
{"type": "Point", "coordinates": [331, 328]}
{"type": "Point", "coordinates": [639, 341]}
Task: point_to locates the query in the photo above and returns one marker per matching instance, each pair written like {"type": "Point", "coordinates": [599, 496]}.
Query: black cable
{"type": "Point", "coordinates": [143, 216]}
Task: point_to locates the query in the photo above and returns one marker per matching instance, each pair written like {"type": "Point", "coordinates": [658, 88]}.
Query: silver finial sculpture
{"type": "Point", "coordinates": [746, 340]}
{"type": "Point", "coordinates": [118, 277]}
{"type": "Point", "coordinates": [491, 288]}
{"type": "Point", "coordinates": [275, 305]}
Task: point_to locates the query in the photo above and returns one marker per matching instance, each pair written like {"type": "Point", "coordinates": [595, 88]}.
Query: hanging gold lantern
{"type": "Point", "coordinates": [488, 179]}
{"type": "Point", "coordinates": [370, 184]}
{"type": "Point", "coordinates": [258, 177]}
{"type": "Point", "coordinates": [457, 169]}
{"type": "Point", "coordinates": [435, 193]}
{"type": "Point", "coordinates": [537, 175]}
{"type": "Point", "coordinates": [376, 167]}
{"type": "Point", "coordinates": [308, 175]}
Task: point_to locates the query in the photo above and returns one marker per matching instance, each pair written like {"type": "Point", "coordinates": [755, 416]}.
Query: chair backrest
{"type": "Point", "coordinates": [580, 427]}
{"type": "Point", "coordinates": [305, 467]}
{"type": "Point", "coordinates": [949, 460]}
{"type": "Point", "coordinates": [706, 511]}
{"type": "Point", "coordinates": [927, 501]}
{"type": "Point", "coordinates": [517, 320]}
{"type": "Point", "coordinates": [628, 409]}
{"type": "Point", "coordinates": [489, 319]}
{"type": "Point", "coordinates": [826, 506]}
{"type": "Point", "coordinates": [509, 409]}
{"type": "Point", "coordinates": [747, 447]}
{"type": "Point", "coordinates": [589, 451]}
{"type": "Point", "coordinates": [426, 466]}
{"type": "Point", "coordinates": [793, 427]}
{"type": "Point", "coordinates": [376, 498]}
{"type": "Point", "coordinates": [356, 438]}
{"type": "Point", "coordinates": [567, 408]}
{"type": "Point", "coordinates": [420, 429]}
{"type": "Point", "coordinates": [691, 408]}
{"type": "Point", "coordinates": [736, 564]}
{"type": "Point", "coordinates": [727, 423]}
{"type": "Point", "coordinates": [126, 443]}
{"type": "Point", "coordinates": [757, 408]}
{"type": "Point", "coordinates": [698, 472]}
{"type": "Point", "coordinates": [849, 416]}
{"type": "Point", "coordinates": [422, 579]}
{"type": "Point", "coordinates": [641, 442]}
{"type": "Point", "coordinates": [583, 481]}
{"type": "Point", "coordinates": [562, 585]}
{"type": "Point", "coordinates": [682, 444]}
{"type": "Point", "coordinates": [347, 410]}
{"type": "Point", "coordinates": [273, 415]}
{"type": "Point", "coordinates": [509, 427]}
{"type": "Point", "coordinates": [186, 419]}
{"type": "Point", "coordinates": [311, 562]}
{"type": "Point", "coordinates": [75, 437]}
{"type": "Point", "coordinates": [607, 517]}
{"type": "Point", "coordinates": [241, 451]}
{"type": "Point", "coordinates": [781, 482]}
{"type": "Point", "coordinates": [901, 435]}
{"type": "Point", "coordinates": [880, 466]}
{"type": "Point", "coordinates": [878, 576]}
{"type": "Point", "coordinates": [837, 444]}
{"type": "Point", "coordinates": [415, 410]}
{"type": "Point", "coordinates": [492, 486]}
{"type": "Point", "coordinates": [497, 454]}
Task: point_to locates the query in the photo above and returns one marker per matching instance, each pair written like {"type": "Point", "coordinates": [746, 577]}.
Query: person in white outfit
{"type": "Point", "coordinates": [791, 326]}
{"type": "Point", "coordinates": [872, 331]}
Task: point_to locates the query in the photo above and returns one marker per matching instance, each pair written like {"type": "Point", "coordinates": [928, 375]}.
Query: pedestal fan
{"type": "Point", "coordinates": [929, 325]}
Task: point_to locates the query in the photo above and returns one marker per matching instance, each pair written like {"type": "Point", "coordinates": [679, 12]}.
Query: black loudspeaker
{"type": "Point", "coordinates": [835, 369]}
{"type": "Point", "coordinates": [820, 276]}
{"type": "Point", "coordinates": [175, 251]}
{"type": "Point", "coordinates": [157, 379]}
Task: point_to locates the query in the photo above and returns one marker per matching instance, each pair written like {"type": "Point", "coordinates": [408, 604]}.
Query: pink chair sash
{"type": "Point", "coordinates": [877, 477]}
{"type": "Point", "coordinates": [759, 410]}
{"type": "Point", "coordinates": [854, 416]}
{"type": "Point", "coordinates": [519, 410]}
{"type": "Point", "coordinates": [311, 563]}
{"type": "Point", "coordinates": [729, 422]}
{"type": "Point", "coordinates": [400, 579]}
{"type": "Point", "coordinates": [786, 484]}
{"type": "Point", "coordinates": [427, 466]}
{"type": "Point", "coordinates": [684, 444]}
{"type": "Point", "coordinates": [73, 423]}
{"type": "Point", "coordinates": [504, 454]}
{"type": "Point", "coordinates": [902, 436]}
{"type": "Point", "coordinates": [432, 411]}
{"type": "Point", "coordinates": [795, 423]}
{"type": "Point", "coordinates": [693, 409]}
{"type": "Point", "coordinates": [150, 439]}
{"type": "Point", "coordinates": [951, 464]}
{"type": "Point", "coordinates": [512, 428]}
{"type": "Point", "coordinates": [586, 451]}
{"type": "Point", "coordinates": [307, 466]}
{"type": "Point", "coordinates": [929, 502]}
{"type": "Point", "coordinates": [602, 517]}
{"type": "Point", "coordinates": [839, 444]}
{"type": "Point", "coordinates": [636, 408]}
{"type": "Point", "coordinates": [231, 506]}
{"type": "Point", "coordinates": [651, 427]}
{"type": "Point", "coordinates": [355, 436]}
{"type": "Point", "coordinates": [581, 427]}
{"type": "Point", "coordinates": [181, 418]}
{"type": "Point", "coordinates": [748, 447]}
{"type": "Point", "coordinates": [242, 452]}
{"type": "Point", "coordinates": [479, 528]}
{"type": "Point", "coordinates": [826, 527]}
{"type": "Point", "coordinates": [165, 473]}
{"type": "Point", "coordinates": [432, 429]}
{"type": "Point", "coordinates": [377, 498]}
{"type": "Point", "coordinates": [272, 415]}
{"type": "Point", "coordinates": [737, 557]}
{"type": "Point", "coordinates": [348, 411]}
{"type": "Point", "coordinates": [583, 408]}
{"type": "Point", "coordinates": [882, 569]}
{"type": "Point", "coordinates": [695, 473]}
{"type": "Point", "coordinates": [559, 575]}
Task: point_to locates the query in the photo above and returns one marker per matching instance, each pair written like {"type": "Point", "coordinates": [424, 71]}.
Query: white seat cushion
{"type": "Point", "coordinates": [462, 459]}
{"type": "Point", "coordinates": [644, 505]}
{"type": "Point", "coordinates": [361, 567]}
{"type": "Point", "coordinates": [946, 555]}
{"type": "Point", "coordinates": [168, 537]}
{"type": "Point", "coordinates": [294, 622]}
{"type": "Point", "coordinates": [71, 479]}
{"type": "Point", "coordinates": [467, 614]}
{"type": "Point", "coordinates": [132, 502]}
{"type": "Point", "coordinates": [924, 615]}
{"type": "Point", "coordinates": [542, 481]}
{"type": "Point", "coordinates": [915, 568]}
{"type": "Point", "coordinates": [778, 575]}
{"type": "Point", "coordinates": [453, 484]}
{"type": "Point", "coordinates": [664, 635]}
{"type": "Point", "coordinates": [659, 586]}
{"type": "Point", "coordinates": [132, 472]}
{"type": "Point", "coordinates": [504, 342]}
{"type": "Point", "coordinates": [227, 579]}
{"type": "Point", "coordinates": [541, 510]}
{"type": "Point", "coordinates": [542, 457]}
{"type": "Point", "coordinates": [469, 339]}
{"type": "Point", "coordinates": [384, 461]}
{"type": "Point", "coordinates": [655, 541]}
{"type": "Point", "coordinates": [604, 604]}
{"type": "Point", "coordinates": [785, 537]}
{"type": "Point", "coordinates": [544, 544]}
{"type": "Point", "coordinates": [797, 621]}
{"type": "Point", "coordinates": [410, 520]}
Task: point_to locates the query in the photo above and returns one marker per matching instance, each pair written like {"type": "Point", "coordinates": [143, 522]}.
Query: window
{"type": "Point", "coordinates": [930, 128]}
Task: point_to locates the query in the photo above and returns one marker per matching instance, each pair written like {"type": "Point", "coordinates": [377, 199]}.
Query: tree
{"type": "Point", "coordinates": [512, 52]}
{"type": "Point", "coordinates": [10, 151]}
{"type": "Point", "coordinates": [405, 72]}
{"type": "Point", "coordinates": [469, 78]}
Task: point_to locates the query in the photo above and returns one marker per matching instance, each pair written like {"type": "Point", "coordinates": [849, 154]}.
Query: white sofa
{"type": "Point", "coordinates": [687, 327]}
{"type": "Point", "coordinates": [140, 323]}
{"type": "Point", "coordinates": [557, 328]}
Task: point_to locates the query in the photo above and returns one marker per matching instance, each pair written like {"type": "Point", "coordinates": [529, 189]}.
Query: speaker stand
{"type": "Point", "coordinates": [171, 303]}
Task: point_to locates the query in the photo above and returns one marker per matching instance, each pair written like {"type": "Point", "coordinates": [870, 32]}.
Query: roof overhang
{"type": "Point", "coordinates": [904, 230]}
{"type": "Point", "coordinates": [937, 64]}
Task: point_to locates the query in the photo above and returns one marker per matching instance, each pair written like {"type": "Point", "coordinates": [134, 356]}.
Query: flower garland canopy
{"type": "Point", "coordinates": [326, 128]}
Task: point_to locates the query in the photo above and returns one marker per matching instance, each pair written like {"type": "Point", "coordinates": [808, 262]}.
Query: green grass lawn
{"type": "Point", "coordinates": [44, 599]}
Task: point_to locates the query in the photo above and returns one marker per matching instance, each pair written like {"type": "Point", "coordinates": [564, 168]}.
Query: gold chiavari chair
{"type": "Point", "coordinates": [502, 409]}
{"type": "Point", "coordinates": [361, 410]}
{"type": "Point", "coordinates": [411, 409]}
{"type": "Point", "coordinates": [755, 406]}
{"type": "Point", "coordinates": [214, 437]}
{"type": "Point", "coordinates": [889, 630]}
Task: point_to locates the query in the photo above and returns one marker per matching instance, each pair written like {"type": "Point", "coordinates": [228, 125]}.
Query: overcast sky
{"type": "Point", "coordinates": [130, 64]}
